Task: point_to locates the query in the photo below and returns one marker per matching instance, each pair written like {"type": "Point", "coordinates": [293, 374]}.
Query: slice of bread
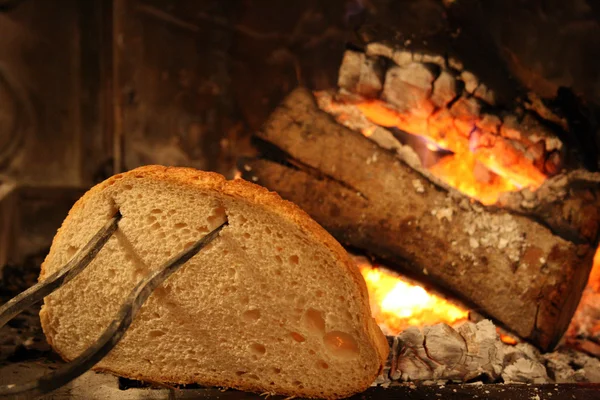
{"type": "Point", "coordinates": [274, 304]}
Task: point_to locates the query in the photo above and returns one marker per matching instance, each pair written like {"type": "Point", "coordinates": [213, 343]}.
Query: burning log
{"type": "Point", "coordinates": [429, 96]}
{"type": "Point", "coordinates": [507, 266]}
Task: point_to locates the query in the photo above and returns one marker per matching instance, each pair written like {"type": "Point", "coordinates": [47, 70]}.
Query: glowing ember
{"type": "Point", "coordinates": [397, 304]}
{"type": "Point", "coordinates": [465, 174]}
{"type": "Point", "coordinates": [475, 167]}
{"type": "Point", "coordinates": [586, 321]}
{"type": "Point", "coordinates": [594, 279]}
{"type": "Point", "coordinates": [444, 131]}
{"type": "Point", "coordinates": [507, 339]}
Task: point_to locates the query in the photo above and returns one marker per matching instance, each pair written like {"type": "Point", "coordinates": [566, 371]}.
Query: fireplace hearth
{"type": "Point", "coordinates": [451, 146]}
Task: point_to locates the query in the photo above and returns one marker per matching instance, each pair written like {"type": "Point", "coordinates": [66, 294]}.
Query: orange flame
{"type": "Point", "coordinates": [467, 175]}
{"type": "Point", "coordinates": [594, 279]}
{"type": "Point", "coordinates": [397, 304]}
{"type": "Point", "coordinates": [510, 173]}
{"type": "Point", "coordinates": [586, 321]}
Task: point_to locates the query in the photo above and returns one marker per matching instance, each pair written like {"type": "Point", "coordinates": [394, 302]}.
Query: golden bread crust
{"type": "Point", "coordinates": [259, 197]}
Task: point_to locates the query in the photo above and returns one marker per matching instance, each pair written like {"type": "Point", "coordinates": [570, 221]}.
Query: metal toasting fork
{"type": "Point", "coordinates": [115, 331]}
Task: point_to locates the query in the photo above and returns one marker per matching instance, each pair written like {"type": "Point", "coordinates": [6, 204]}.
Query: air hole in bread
{"type": "Point", "coordinates": [180, 225]}
{"type": "Point", "coordinates": [276, 370]}
{"type": "Point", "coordinates": [246, 235]}
{"type": "Point", "coordinates": [268, 230]}
{"type": "Point", "coordinates": [202, 229]}
{"type": "Point", "coordinates": [218, 215]}
{"type": "Point", "coordinates": [151, 219]}
{"type": "Point", "coordinates": [294, 259]}
{"type": "Point", "coordinates": [319, 293]}
{"type": "Point", "coordinates": [188, 245]}
{"type": "Point", "coordinates": [296, 383]}
{"type": "Point", "coordinates": [348, 315]}
{"type": "Point", "coordinates": [314, 321]}
{"type": "Point", "coordinates": [340, 344]}
{"type": "Point", "coordinates": [171, 212]}
{"type": "Point", "coordinates": [322, 364]}
{"type": "Point", "coordinates": [71, 251]}
{"type": "Point", "coordinates": [243, 220]}
{"type": "Point", "coordinates": [229, 289]}
{"type": "Point", "coordinates": [258, 349]}
{"type": "Point", "coordinates": [278, 272]}
{"type": "Point", "coordinates": [278, 248]}
{"type": "Point", "coordinates": [127, 187]}
{"type": "Point", "coordinates": [251, 315]}
{"type": "Point", "coordinates": [155, 226]}
{"type": "Point", "coordinates": [240, 373]}
{"type": "Point", "coordinates": [161, 235]}
{"type": "Point", "coordinates": [253, 376]}
{"type": "Point", "coordinates": [279, 259]}
{"type": "Point", "coordinates": [171, 305]}
{"type": "Point", "coordinates": [156, 333]}
{"type": "Point", "coordinates": [297, 337]}
{"type": "Point", "coordinates": [156, 211]}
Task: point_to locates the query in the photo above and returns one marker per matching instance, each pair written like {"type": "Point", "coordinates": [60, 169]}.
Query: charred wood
{"type": "Point", "coordinates": [512, 268]}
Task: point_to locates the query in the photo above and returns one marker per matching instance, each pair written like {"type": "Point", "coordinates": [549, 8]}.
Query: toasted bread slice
{"type": "Point", "coordinates": [274, 304]}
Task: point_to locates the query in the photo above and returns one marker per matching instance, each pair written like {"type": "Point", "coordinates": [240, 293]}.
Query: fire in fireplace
{"type": "Point", "coordinates": [452, 146]}
{"type": "Point", "coordinates": [397, 303]}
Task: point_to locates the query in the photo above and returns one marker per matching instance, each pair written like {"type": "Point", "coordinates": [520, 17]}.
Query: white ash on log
{"type": "Point", "coordinates": [471, 351]}
{"type": "Point", "coordinates": [440, 352]}
{"type": "Point", "coordinates": [570, 366]}
{"type": "Point", "coordinates": [523, 364]}
{"type": "Point", "coordinates": [509, 267]}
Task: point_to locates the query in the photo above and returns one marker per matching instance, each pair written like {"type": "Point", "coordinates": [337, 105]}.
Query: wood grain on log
{"type": "Point", "coordinates": [507, 266]}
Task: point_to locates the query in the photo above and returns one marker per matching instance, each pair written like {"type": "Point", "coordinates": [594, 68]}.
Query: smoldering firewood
{"type": "Point", "coordinates": [568, 203]}
{"type": "Point", "coordinates": [508, 266]}
{"type": "Point", "coordinates": [430, 97]}
{"type": "Point", "coordinates": [440, 352]}
{"type": "Point", "coordinates": [361, 74]}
